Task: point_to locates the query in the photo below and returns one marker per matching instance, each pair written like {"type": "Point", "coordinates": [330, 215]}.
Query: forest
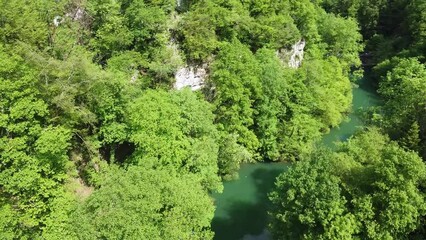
{"type": "Point", "coordinates": [100, 139]}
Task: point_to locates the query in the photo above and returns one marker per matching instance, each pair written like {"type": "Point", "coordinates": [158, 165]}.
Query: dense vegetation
{"type": "Point", "coordinates": [372, 186]}
{"type": "Point", "coordinates": [95, 142]}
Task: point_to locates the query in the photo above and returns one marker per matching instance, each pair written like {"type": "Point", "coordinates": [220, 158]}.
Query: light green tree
{"type": "Point", "coordinates": [146, 203]}
{"type": "Point", "coordinates": [341, 38]}
{"type": "Point", "coordinates": [176, 129]}
{"type": "Point", "coordinates": [235, 76]}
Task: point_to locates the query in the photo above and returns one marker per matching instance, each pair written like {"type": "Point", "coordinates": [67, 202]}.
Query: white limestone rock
{"type": "Point", "coordinates": [191, 77]}
{"type": "Point", "coordinates": [78, 14]}
{"type": "Point", "coordinates": [293, 57]}
{"type": "Point", "coordinates": [296, 57]}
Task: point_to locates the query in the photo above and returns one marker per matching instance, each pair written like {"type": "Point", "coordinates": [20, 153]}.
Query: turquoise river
{"type": "Point", "coordinates": [241, 210]}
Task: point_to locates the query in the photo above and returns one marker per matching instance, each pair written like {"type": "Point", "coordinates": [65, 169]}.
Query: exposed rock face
{"type": "Point", "coordinates": [296, 57]}
{"type": "Point", "coordinates": [293, 57]}
{"type": "Point", "coordinates": [74, 15]}
{"type": "Point", "coordinates": [77, 14]}
{"type": "Point", "coordinates": [191, 77]}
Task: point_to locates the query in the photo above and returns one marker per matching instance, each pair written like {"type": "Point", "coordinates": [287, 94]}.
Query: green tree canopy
{"type": "Point", "coordinates": [384, 184]}
{"type": "Point", "coordinates": [140, 202]}
{"type": "Point", "coordinates": [176, 129]}
{"type": "Point", "coordinates": [235, 77]}
{"type": "Point", "coordinates": [403, 87]}
{"type": "Point", "coordinates": [33, 154]}
{"type": "Point", "coordinates": [369, 189]}
{"type": "Point", "coordinates": [308, 202]}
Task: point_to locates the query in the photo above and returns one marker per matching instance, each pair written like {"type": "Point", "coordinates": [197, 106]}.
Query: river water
{"type": "Point", "coordinates": [241, 210]}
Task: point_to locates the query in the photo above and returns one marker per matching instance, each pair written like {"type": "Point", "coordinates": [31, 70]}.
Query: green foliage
{"type": "Point", "coordinates": [63, 84]}
{"type": "Point", "coordinates": [323, 79]}
{"type": "Point", "coordinates": [82, 95]}
{"type": "Point", "coordinates": [198, 31]}
{"type": "Point", "coordinates": [312, 99]}
{"type": "Point", "coordinates": [267, 31]}
{"type": "Point", "coordinates": [297, 105]}
{"type": "Point", "coordinates": [21, 104]}
{"type": "Point", "coordinates": [254, 23]}
{"type": "Point", "coordinates": [57, 224]}
{"type": "Point", "coordinates": [31, 177]}
{"type": "Point", "coordinates": [145, 23]}
{"type": "Point", "coordinates": [305, 16]}
{"type": "Point", "coordinates": [403, 87]}
{"type": "Point", "coordinates": [128, 62]}
{"type": "Point", "coordinates": [33, 156]}
{"type": "Point", "coordinates": [384, 186]}
{"type": "Point", "coordinates": [96, 89]}
{"type": "Point", "coordinates": [176, 129]}
{"type": "Point", "coordinates": [235, 77]}
{"type": "Point", "coordinates": [369, 189]}
{"type": "Point", "coordinates": [112, 36]}
{"type": "Point", "coordinates": [341, 38]}
{"type": "Point", "coordinates": [230, 156]}
{"type": "Point", "coordinates": [210, 22]}
{"type": "Point", "coordinates": [366, 11]}
{"type": "Point", "coordinates": [411, 140]}
{"type": "Point", "coordinates": [27, 21]}
{"type": "Point", "coordinates": [287, 109]}
{"type": "Point", "coordinates": [145, 203]}
{"type": "Point", "coordinates": [417, 24]}
{"type": "Point", "coordinates": [123, 27]}
{"type": "Point", "coordinates": [272, 107]}
{"type": "Point", "coordinates": [308, 203]}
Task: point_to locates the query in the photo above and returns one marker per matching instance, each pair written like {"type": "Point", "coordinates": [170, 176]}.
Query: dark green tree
{"type": "Point", "coordinates": [411, 140]}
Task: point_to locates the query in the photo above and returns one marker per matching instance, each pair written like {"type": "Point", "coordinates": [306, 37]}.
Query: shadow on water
{"type": "Point", "coordinates": [246, 213]}
{"type": "Point", "coordinates": [243, 220]}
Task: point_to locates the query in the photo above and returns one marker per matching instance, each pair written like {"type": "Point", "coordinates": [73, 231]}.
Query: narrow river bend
{"type": "Point", "coordinates": [241, 210]}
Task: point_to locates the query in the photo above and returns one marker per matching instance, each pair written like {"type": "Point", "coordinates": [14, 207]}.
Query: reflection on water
{"type": "Point", "coordinates": [265, 235]}
{"type": "Point", "coordinates": [241, 210]}
{"type": "Point", "coordinates": [242, 207]}
{"type": "Point", "coordinates": [364, 97]}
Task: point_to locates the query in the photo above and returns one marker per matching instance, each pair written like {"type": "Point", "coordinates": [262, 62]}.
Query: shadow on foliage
{"type": "Point", "coordinates": [122, 152]}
